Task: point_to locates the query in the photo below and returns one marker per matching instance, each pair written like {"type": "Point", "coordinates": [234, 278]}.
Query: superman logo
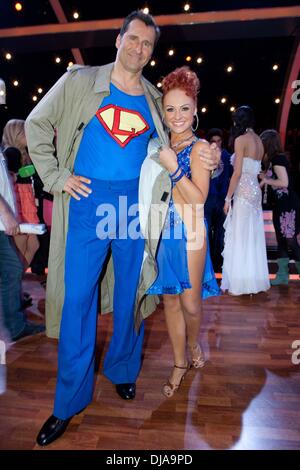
{"type": "Point", "coordinates": [122, 124]}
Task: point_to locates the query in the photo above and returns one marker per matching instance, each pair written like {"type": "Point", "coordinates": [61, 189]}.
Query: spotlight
{"type": "Point", "coordinates": [152, 63]}
{"type": "Point", "coordinates": [18, 6]}
{"type": "Point", "coordinates": [229, 69]}
{"type": "Point", "coordinates": [15, 83]}
{"type": "Point", "coordinates": [171, 52]}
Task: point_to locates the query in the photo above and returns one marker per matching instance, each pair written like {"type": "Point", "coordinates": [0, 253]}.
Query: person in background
{"type": "Point", "coordinates": [286, 205]}
{"type": "Point", "coordinates": [15, 151]}
{"type": "Point", "coordinates": [213, 208]}
{"type": "Point", "coordinates": [11, 267]}
{"type": "Point", "coordinates": [245, 266]}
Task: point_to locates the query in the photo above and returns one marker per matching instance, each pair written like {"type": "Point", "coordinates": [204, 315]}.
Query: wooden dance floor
{"type": "Point", "coordinates": [246, 397]}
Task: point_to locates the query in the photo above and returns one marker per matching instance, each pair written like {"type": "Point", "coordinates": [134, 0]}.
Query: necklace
{"type": "Point", "coordinates": [137, 87]}
{"type": "Point", "coordinates": [177, 144]}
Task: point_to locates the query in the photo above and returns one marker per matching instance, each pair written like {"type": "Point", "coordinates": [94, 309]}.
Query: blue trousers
{"type": "Point", "coordinates": [96, 224]}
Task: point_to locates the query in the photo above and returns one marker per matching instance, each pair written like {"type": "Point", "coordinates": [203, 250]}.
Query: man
{"type": "Point", "coordinates": [213, 207]}
{"type": "Point", "coordinates": [104, 117]}
{"type": "Point", "coordinates": [11, 267]}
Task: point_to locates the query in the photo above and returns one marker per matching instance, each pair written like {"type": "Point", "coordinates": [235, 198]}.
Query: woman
{"type": "Point", "coordinates": [245, 266]}
{"type": "Point", "coordinates": [15, 152]}
{"type": "Point", "coordinates": [286, 205]}
{"type": "Point", "coordinates": [183, 264]}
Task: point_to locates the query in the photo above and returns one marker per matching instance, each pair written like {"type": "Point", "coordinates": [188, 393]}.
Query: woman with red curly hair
{"type": "Point", "coordinates": [185, 273]}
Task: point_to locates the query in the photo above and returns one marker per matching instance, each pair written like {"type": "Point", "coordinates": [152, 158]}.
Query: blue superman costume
{"type": "Point", "coordinates": [112, 150]}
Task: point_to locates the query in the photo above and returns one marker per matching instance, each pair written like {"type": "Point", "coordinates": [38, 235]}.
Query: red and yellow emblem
{"type": "Point", "coordinates": [121, 123]}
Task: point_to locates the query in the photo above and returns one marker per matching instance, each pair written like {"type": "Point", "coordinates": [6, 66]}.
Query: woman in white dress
{"type": "Point", "coordinates": [245, 267]}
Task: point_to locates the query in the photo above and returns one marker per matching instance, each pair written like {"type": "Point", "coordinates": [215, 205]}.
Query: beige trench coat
{"type": "Point", "coordinates": [68, 107]}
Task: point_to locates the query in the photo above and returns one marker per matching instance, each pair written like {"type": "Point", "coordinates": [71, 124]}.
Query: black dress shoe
{"type": "Point", "coordinates": [126, 391]}
{"type": "Point", "coordinates": [52, 429]}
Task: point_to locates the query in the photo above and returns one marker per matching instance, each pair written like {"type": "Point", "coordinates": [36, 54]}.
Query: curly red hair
{"type": "Point", "coordinates": [184, 79]}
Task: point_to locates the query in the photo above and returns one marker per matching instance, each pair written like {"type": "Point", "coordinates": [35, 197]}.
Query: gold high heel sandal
{"type": "Point", "coordinates": [197, 356]}
{"type": "Point", "coordinates": [169, 388]}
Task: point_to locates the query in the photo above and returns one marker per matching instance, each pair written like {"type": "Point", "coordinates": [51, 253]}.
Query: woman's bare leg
{"type": "Point", "coordinates": [190, 299]}
{"type": "Point", "coordinates": [177, 332]}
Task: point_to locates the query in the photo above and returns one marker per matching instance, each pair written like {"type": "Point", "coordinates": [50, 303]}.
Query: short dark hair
{"type": "Point", "coordinates": [212, 132]}
{"type": "Point", "coordinates": [147, 19]}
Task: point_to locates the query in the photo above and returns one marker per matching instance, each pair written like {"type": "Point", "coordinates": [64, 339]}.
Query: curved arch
{"type": "Point", "coordinates": [288, 90]}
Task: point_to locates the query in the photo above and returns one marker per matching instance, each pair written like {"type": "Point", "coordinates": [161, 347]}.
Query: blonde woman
{"type": "Point", "coordinates": [15, 151]}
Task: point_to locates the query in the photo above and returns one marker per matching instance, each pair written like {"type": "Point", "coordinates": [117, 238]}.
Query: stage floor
{"type": "Point", "coordinates": [246, 397]}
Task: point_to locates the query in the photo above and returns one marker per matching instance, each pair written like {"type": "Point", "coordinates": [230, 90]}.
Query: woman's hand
{"type": "Point", "coordinates": [226, 207]}
{"type": "Point", "coordinates": [168, 159]}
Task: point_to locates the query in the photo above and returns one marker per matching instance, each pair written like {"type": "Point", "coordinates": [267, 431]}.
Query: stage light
{"type": "Point", "coordinates": [223, 100]}
{"type": "Point", "coordinates": [75, 15]}
{"type": "Point", "coordinates": [34, 98]}
{"type": "Point", "coordinates": [8, 56]}
{"type": "Point", "coordinates": [159, 85]}
{"type": "Point", "coordinates": [232, 109]}
{"type": "Point", "coordinates": [15, 83]}
{"type": "Point", "coordinates": [275, 67]}
{"type": "Point", "coordinates": [18, 6]}
{"type": "Point", "coordinates": [229, 69]}
{"type": "Point", "coordinates": [171, 52]}
{"type": "Point", "coordinates": [70, 64]}
{"type": "Point", "coordinates": [146, 10]}
{"type": "Point", "coordinates": [277, 100]}
{"type": "Point", "coordinates": [152, 63]}
{"type": "Point", "coordinates": [203, 110]}
{"type": "Point", "coordinates": [188, 58]}
{"type": "Point", "coordinates": [57, 60]}
{"type": "Point", "coordinates": [199, 60]}
{"type": "Point", "coordinates": [40, 90]}
{"type": "Point", "coordinates": [187, 7]}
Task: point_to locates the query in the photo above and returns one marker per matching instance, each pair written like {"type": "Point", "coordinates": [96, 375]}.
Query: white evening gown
{"type": "Point", "coordinates": [245, 266]}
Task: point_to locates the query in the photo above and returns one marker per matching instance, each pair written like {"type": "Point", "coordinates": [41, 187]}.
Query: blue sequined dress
{"type": "Point", "coordinates": [172, 262]}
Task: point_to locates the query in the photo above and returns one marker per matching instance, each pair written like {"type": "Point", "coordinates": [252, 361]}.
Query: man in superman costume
{"type": "Point", "coordinates": [103, 119]}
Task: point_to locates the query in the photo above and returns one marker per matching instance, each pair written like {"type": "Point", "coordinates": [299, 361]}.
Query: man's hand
{"type": "Point", "coordinates": [210, 156]}
{"type": "Point", "coordinates": [74, 186]}
{"type": "Point", "coordinates": [10, 223]}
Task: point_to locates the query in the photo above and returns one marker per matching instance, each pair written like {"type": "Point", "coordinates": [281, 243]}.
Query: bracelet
{"type": "Point", "coordinates": [176, 171]}
{"type": "Point", "coordinates": [175, 180]}
{"type": "Point", "coordinates": [228, 200]}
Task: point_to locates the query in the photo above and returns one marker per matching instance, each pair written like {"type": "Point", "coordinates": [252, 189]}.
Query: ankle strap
{"type": "Point", "coordinates": [180, 367]}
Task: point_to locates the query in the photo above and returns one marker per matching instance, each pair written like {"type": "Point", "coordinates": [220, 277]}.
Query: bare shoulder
{"type": "Point", "coordinates": [200, 145]}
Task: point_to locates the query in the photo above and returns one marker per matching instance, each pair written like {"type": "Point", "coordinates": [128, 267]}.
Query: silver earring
{"type": "Point", "coordinates": [197, 123]}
